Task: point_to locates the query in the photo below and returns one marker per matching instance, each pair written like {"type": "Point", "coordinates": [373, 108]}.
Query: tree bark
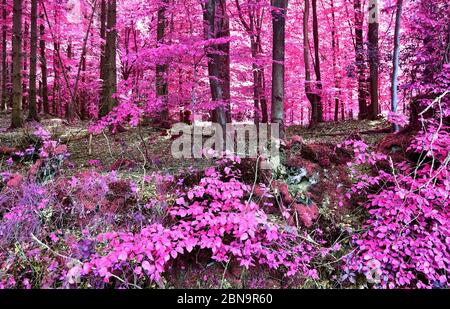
{"type": "Point", "coordinates": [4, 103]}
{"type": "Point", "coordinates": [310, 93]}
{"type": "Point", "coordinates": [360, 60]}
{"type": "Point", "coordinates": [110, 78]}
{"type": "Point", "coordinates": [16, 118]}
{"type": "Point", "coordinates": [162, 85]}
{"type": "Point", "coordinates": [373, 57]}
{"type": "Point", "coordinates": [253, 28]}
{"type": "Point", "coordinates": [317, 62]}
{"type": "Point", "coordinates": [335, 47]}
{"type": "Point", "coordinates": [394, 94]}
{"type": "Point", "coordinates": [103, 111]}
{"type": "Point", "coordinates": [278, 67]}
{"type": "Point", "coordinates": [43, 59]}
{"type": "Point", "coordinates": [33, 63]}
{"type": "Point", "coordinates": [25, 34]}
{"type": "Point", "coordinates": [217, 26]}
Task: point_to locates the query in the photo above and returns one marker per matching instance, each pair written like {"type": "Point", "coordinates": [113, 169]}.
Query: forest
{"type": "Point", "coordinates": [250, 144]}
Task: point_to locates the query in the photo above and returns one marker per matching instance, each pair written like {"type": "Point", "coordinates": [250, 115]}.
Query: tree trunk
{"type": "Point", "coordinates": [373, 57]}
{"type": "Point", "coordinates": [394, 95]}
{"type": "Point", "coordinates": [310, 94]}
{"type": "Point", "coordinates": [360, 60]}
{"type": "Point", "coordinates": [217, 26]}
{"type": "Point", "coordinates": [43, 59]}
{"type": "Point", "coordinates": [279, 23]}
{"type": "Point", "coordinates": [4, 104]}
{"type": "Point", "coordinates": [16, 119]}
{"type": "Point", "coordinates": [317, 62]}
{"type": "Point", "coordinates": [162, 85]}
{"type": "Point", "coordinates": [110, 77]}
{"type": "Point", "coordinates": [25, 64]}
{"type": "Point", "coordinates": [335, 47]}
{"type": "Point", "coordinates": [33, 57]}
{"type": "Point", "coordinates": [253, 28]}
{"type": "Point", "coordinates": [55, 103]}
{"type": "Point", "coordinates": [103, 111]}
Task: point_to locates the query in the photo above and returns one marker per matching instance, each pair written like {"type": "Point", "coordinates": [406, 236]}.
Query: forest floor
{"type": "Point", "coordinates": [137, 152]}
{"type": "Point", "coordinates": [151, 147]}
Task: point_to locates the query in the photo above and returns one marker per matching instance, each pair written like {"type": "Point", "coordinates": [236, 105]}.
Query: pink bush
{"type": "Point", "coordinates": [406, 239]}
{"type": "Point", "coordinates": [215, 216]}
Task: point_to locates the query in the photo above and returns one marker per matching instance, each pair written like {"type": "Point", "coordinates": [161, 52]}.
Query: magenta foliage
{"type": "Point", "coordinates": [406, 239]}
{"type": "Point", "coordinates": [213, 216]}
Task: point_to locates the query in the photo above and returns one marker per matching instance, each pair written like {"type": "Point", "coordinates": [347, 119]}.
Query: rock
{"type": "Point", "coordinates": [15, 181]}
{"type": "Point", "coordinates": [325, 154]}
{"type": "Point", "coordinates": [294, 140]}
{"type": "Point", "coordinates": [120, 188]}
{"type": "Point", "coordinates": [396, 145]}
{"type": "Point", "coordinates": [122, 164]}
{"type": "Point", "coordinates": [61, 149]}
{"type": "Point", "coordinates": [34, 170]}
{"type": "Point", "coordinates": [307, 214]}
{"type": "Point", "coordinates": [298, 162]}
{"type": "Point", "coordinates": [7, 151]}
{"type": "Point", "coordinates": [283, 190]}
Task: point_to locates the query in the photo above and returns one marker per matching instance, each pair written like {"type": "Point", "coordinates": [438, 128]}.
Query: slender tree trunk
{"type": "Point", "coordinates": [33, 62]}
{"type": "Point", "coordinates": [4, 103]}
{"type": "Point", "coordinates": [278, 67]}
{"type": "Point", "coordinates": [360, 60]}
{"type": "Point", "coordinates": [16, 120]}
{"type": "Point", "coordinates": [162, 85]}
{"type": "Point", "coordinates": [69, 107]}
{"type": "Point", "coordinates": [84, 111]}
{"type": "Point", "coordinates": [317, 62]}
{"type": "Point", "coordinates": [335, 47]}
{"type": "Point", "coordinates": [394, 94]}
{"type": "Point", "coordinates": [103, 111]}
{"type": "Point", "coordinates": [373, 57]}
{"type": "Point", "coordinates": [216, 23]}
{"type": "Point", "coordinates": [110, 78]}
{"type": "Point", "coordinates": [310, 93]}
{"type": "Point", "coordinates": [223, 31]}
{"type": "Point", "coordinates": [43, 59]}
{"type": "Point", "coordinates": [55, 96]}
{"type": "Point", "coordinates": [25, 65]}
{"type": "Point", "coordinates": [253, 28]}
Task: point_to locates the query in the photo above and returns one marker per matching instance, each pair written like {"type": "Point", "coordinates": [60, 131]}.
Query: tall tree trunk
{"type": "Point", "coordinates": [103, 110]}
{"type": "Point", "coordinates": [373, 57]}
{"type": "Point", "coordinates": [25, 65]}
{"type": "Point", "coordinates": [317, 62]}
{"type": "Point", "coordinates": [223, 31]}
{"type": "Point", "coordinates": [55, 96]}
{"type": "Point", "coordinates": [335, 47]}
{"type": "Point", "coordinates": [253, 28]}
{"type": "Point", "coordinates": [278, 67]}
{"type": "Point", "coordinates": [360, 59]}
{"type": "Point", "coordinates": [16, 120]}
{"type": "Point", "coordinates": [84, 111]}
{"type": "Point", "coordinates": [4, 104]}
{"type": "Point", "coordinates": [162, 85]}
{"type": "Point", "coordinates": [259, 97]}
{"type": "Point", "coordinates": [43, 59]}
{"type": "Point", "coordinates": [69, 107]}
{"type": "Point", "coordinates": [394, 94]}
{"type": "Point", "coordinates": [33, 62]}
{"type": "Point", "coordinates": [310, 93]}
{"type": "Point", "coordinates": [110, 78]}
{"type": "Point", "coordinates": [216, 26]}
